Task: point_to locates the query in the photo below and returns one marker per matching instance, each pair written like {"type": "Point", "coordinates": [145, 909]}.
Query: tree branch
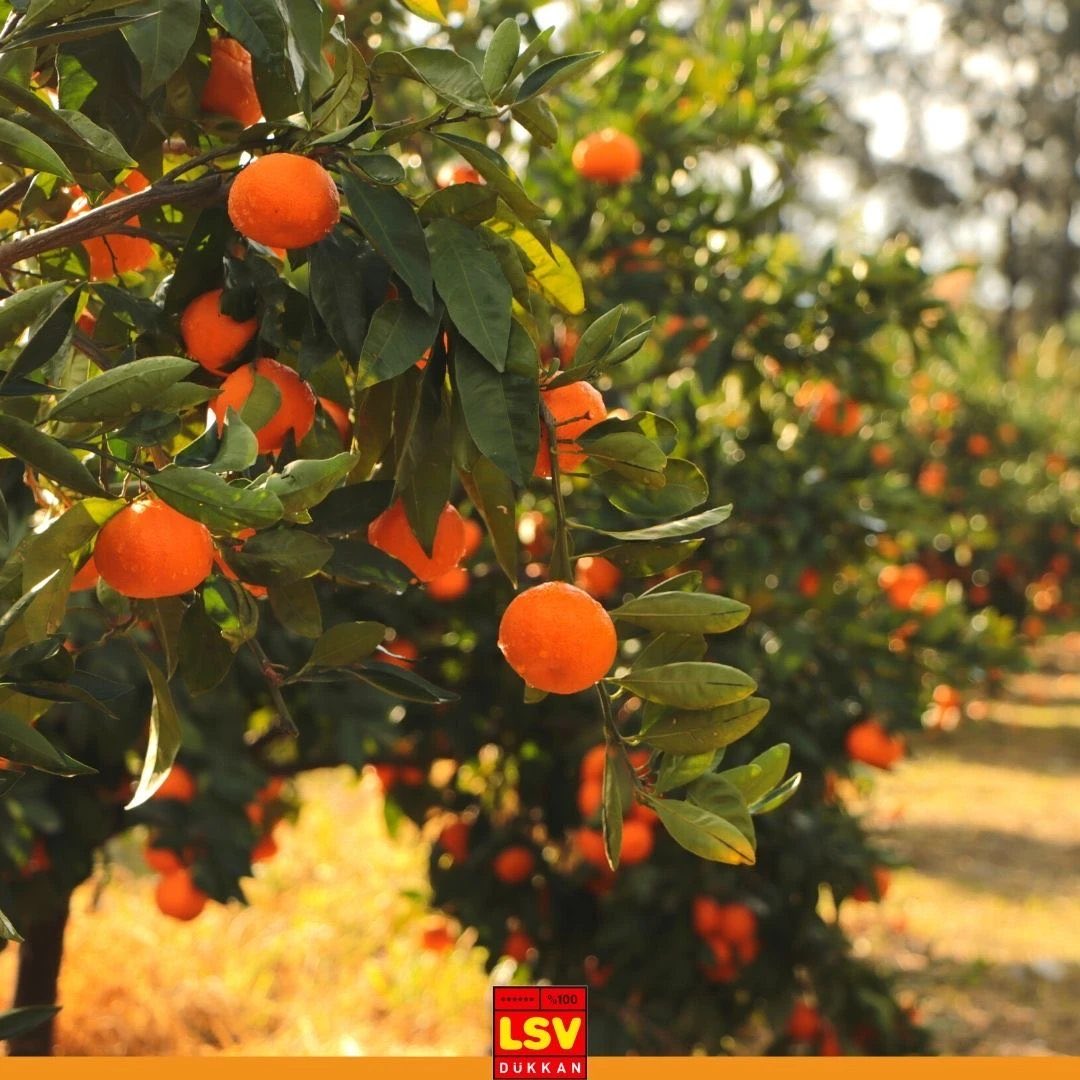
{"type": "Point", "coordinates": [109, 217]}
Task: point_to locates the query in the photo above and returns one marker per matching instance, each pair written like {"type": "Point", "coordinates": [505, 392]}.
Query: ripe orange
{"type": "Point", "coordinates": [178, 786]}
{"type": "Point", "coordinates": [736, 923]}
{"type": "Point", "coordinates": [705, 916]}
{"type": "Point", "coordinates": [210, 336]}
{"type": "Point", "coordinates": [871, 744]}
{"type": "Point", "coordinates": [162, 860]}
{"type": "Point", "coordinates": [933, 478]}
{"type": "Point", "coordinates": [392, 533]}
{"type": "Point", "coordinates": [517, 946]}
{"type": "Point", "coordinates": [832, 412]}
{"type": "Point", "coordinates": [592, 764]}
{"type": "Point", "coordinates": [558, 638]}
{"type": "Point", "coordinates": [116, 253]}
{"type": "Point", "coordinates": [576, 408]}
{"type": "Point", "coordinates": [598, 576]}
{"type": "Point", "coordinates": [609, 155]}
{"type": "Point", "coordinates": [86, 577]}
{"type": "Point", "coordinates": [436, 937]}
{"type": "Point", "coordinates": [514, 865]}
{"type": "Point", "coordinates": [881, 455]}
{"type": "Point", "coordinates": [474, 537]}
{"type": "Point", "coordinates": [590, 846]}
{"type": "Point", "coordinates": [902, 583]}
{"type": "Point", "coordinates": [284, 200]}
{"type": "Point", "coordinates": [296, 413]}
{"type": "Point", "coordinates": [457, 174]}
{"type": "Point", "coordinates": [265, 849]}
{"type": "Point", "coordinates": [947, 696]}
{"type": "Point", "coordinates": [272, 790]}
{"type": "Point", "coordinates": [590, 796]}
{"type": "Point", "coordinates": [404, 652]}
{"type": "Point", "coordinates": [724, 969]}
{"type": "Point", "coordinates": [637, 842]}
{"type": "Point", "coordinates": [979, 445]}
{"type": "Point", "coordinates": [449, 586]}
{"type": "Point", "coordinates": [340, 416]}
{"type": "Point", "coordinates": [809, 583]}
{"type": "Point", "coordinates": [454, 839]}
{"type": "Point", "coordinates": [149, 550]}
{"type": "Point", "coordinates": [804, 1023]}
{"type": "Point", "coordinates": [882, 881]}
{"type": "Point", "coordinates": [179, 897]}
{"type": "Point", "coordinates": [230, 87]}
{"type": "Point", "coordinates": [640, 812]}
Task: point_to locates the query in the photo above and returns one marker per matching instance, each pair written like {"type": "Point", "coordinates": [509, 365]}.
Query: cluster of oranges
{"type": "Point", "coordinates": [807, 1027]}
{"type": "Point", "coordinates": [831, 411]}
{"type": "Point", "coordinates": [730, 931]}
{"type": "Point", "coordinates": [871, 744]}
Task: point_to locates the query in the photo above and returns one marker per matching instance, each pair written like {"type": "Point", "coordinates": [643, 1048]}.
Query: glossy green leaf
{"type": "Point", "coordinates": [683, 613]}
{"type": "Point", "coordinates": [501, 55]}
{"type": "Point", "coordinates": [161, 41]}
{"type": "Point", "coordinates": [703, 833]}
{"type": "Point", "coordinates": [689, 685]}
{"type": "Point", "coordinates": [305, 483]}
{"type": "Point", "coordinates": [163, 741]}
{"type": "Point", "coordinates": [451, 77]}
{"type": "Point", "coordinates": [47, 456]}
{"type": "Point", "coordinates": [711, 729]}
{"type": "Point", "coordinates": [346, 644]}
{"type": "Point", "coordinates": [295, 605]}
{"type": "Point", "coordinates": [21, 147]}
{"type": "Point", "coordinates": [668, 530]}
{"type": "Point", "coordinates": [399, 334]}
{"type": "Point", "coordinates": [676, 770]}
{"type": "Point", "coordinates": [117, 394]}
{"type": "Point", "coordinates": [611, 807]}
{"type": "Point", "coordinates": [25, 745]}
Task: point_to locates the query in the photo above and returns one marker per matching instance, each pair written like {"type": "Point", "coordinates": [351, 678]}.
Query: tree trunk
{"type": "Point", "coordinates": [39, 969]}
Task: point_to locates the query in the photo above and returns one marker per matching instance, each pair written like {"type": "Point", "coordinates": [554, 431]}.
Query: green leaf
{"type": "Point", "coordinates": [500, 409]}
{"type": "Point", "coordinates": [390, 223]}
{"type": "Point", "coordinates": [532, 50]}
{"type": "Point", "coordinates": [346, 644]}
{"type": "Point", "coordinates": [21, 147]}
{"type": "Point", "coordinates": [676, 770]}
{"type": "Point", "coordinates": [494, 169]}
{"type": "Point", "coordinates": [671, 649]}
{"type": "Point", "coordinates": [684, 488]}
{"type": "Point", "coordinates": [776, 798]}
{"type": "Point", "coordinates": [712, 729]}
{"type": "Point", "coordinates": [167, 617]}
{"type": "Point", "coordinates": [471, 204]}
{"type": "Point", "coordinates": [281, 554]}
{"type": "Point", "coordinates": [339, 292]}
{"type": "Point", "coordinates": [380, 168]}
{"type": "Point", "coordinates": [451, 77]}
{"type": "Point", "coordinates": [683, 613]}
{"type": "Point", "coordinates": [611, 808]}
{"type": "Point", "coordinates": [205, 656]}
{"type": "Point", "coordinates": [161, 41]}
{"type": "Point", "coordinates": [7, 929]}
{"type": "Point", "coordinates": [501, 55]}
{"type": "Point", "coordinates": [553, 73]}
{"type": "Point", "coordinates": [689, 685]}
{"type": "Point", "coordinates": [473, 287]}
{"type": "Point", "coordinates": [536, 117]}
{"type": "Point", "coordinates": [403, 684]}
{"type": "Point", "coordinates": [52, 337]}
{"type": "Point", "coordinates": [46, 455]}
{"type": "Point", "coordinates": [25, 745]}
{"type": "Point", "coordinates": [40, 12]}
{"type": "Point", "coordinates": [115, 395]}
{"type": "Point", "coordinates": [703, 833]}
{"type": "Point", "coordinates": [644, 560]}
{"type": "Point", "coordinates": [305, 483]}
{"type": "Point", "coordinates": [232, 609]}
{"type": "Point", "coordinates": [426, 9]}
{"type": "Point", "coordinates": [295, 604]}
{"type": "Point", "coordinates": [715, 794]}
{"type": "Point", "coordinates": [21, 308]}
{"type": "Point", "coordinates": [210, 499]}
{"type": "Point", "coordinates": [163, 740]}
{"type": "Point", "coordinates": [76, 30]}
{"type": "Point", "coordinates": [19, 1021]}
{"type": "Point", "coordinates": [399, 334]}
{"type": "Point", "coordinates": [757, 778]}
{"type": "Point", "coordinates": [492, 493]}
{"type": "Point", "coordinates": [53, 548]}
{"type": "Point", "coordinates": [668, 530]}
{"type": "Point", "coordinates": [629, 454]}
{"type": "Point", "coordinates": [239, 445]}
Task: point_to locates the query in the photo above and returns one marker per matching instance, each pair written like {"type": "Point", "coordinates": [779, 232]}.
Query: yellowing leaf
{"type": "Point", "coordinates": [426, 9]}
{"type": "Point", "coordinates": [552, 272]}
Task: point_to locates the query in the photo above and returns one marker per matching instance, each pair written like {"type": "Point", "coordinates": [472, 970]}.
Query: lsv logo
{"type": "Point", "coordinates": [540, 1031]}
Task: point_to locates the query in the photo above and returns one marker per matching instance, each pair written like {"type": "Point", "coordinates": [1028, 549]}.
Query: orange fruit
{"type": "Point", "coordinates": [454, 839]}
{"type": "Point", "coordinates": [637, 842]}
{"type": "Point", "coordinates": [592, 764]}
{"type": "Point", "coordinates": [881, 455]}
{"type": "Point", "coordinates": [449, 586]}
{"type": "Point", "coordinates": [705, 916]}
{"type": "Point", "coordinates": [474, 537]}
{"type": "Point", "coordinates": [640, 812]}
{"type": "Point", "coordinates": [576, 407]}
{"type": "Point", "coordinates": [404, 652]}
{"type": "Point", "coordinates": [210, 336]}
{"type": "Point", "coordinates": [179, 785]}
{"type": "Point", "coordinates": [149, 550]}
{"type": "Point", "coordinates": [736, 923]}
{"type": "Point", "coordinates": [979, 445]}
{"type": "Point", "coordinates": [590, 796]}
{"type": "Point", "coordinates": [589, 844]}
{"type": "Point", "coordinates": [179, 897]}
{"type": "Point", "coordinates": [533, 533]}
{"type": "Point", "coordinates": [116, 253]}
{"type": "Point", "coordinates": [610, 156]}
{"type": "Point", "coordinates": [230, 87]}
{"type": "Point", "coordinates": [829, 1044]}
{"type": "Point", "coordinates": [38, 861]}
{"type": "Point", "coordinates": [804, 1022]}
{"type": "Point", "coordinates": [933, 478]}
{"type": "Point", "coordinates": [436, 937]}
{"type": "Point", "coordinates": [162, 860]}
{"type": "Point", "coordinates": [272, 790]}
{"type": "Point", "coordinates": [809, 583]}
{"type": "Point", "coordinates": [340, 417]}
{"type": "Point", "coordinates": [264, 850]}
{"type": "Point", "coordinates": [296, 412]}
{"type": "Point", "coordinates": [517, 946]}
{"type": "Point", "coordinates": [457, 174]}
{"type": "Point", "coordinates": [558, 638]}
{"type": "Point", "coordinates": [514, 865]}
{"type": "Point", "coordinates": [284, 200]}
{"type": "Point", "coordinates": [871, 744]}
{"type": "Point", "coordinates": [882, 881]}
{"type": "Point", "coordinates": [903, 583]}
{"type": "Point", "coordinates": [86, 577]}
{"type": "Point", "coordinates": [392, 533]}
{"type": "Point", "coordinates": [598, 576]}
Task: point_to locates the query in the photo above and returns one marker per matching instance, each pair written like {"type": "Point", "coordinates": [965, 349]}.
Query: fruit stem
{"type": "Point", "coordinates": [273, 681]}
{"type": "Point", "coordinates": [560, 563]}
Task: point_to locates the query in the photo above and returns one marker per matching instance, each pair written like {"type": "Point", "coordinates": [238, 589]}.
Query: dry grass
{"type": "Point", "coordinates": [981, 922]}
{"type": "Point", "coordinates": [327, 960]}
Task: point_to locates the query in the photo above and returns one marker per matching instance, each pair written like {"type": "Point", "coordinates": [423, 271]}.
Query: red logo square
{"type": "Point", "coordinates": [540, 1031]}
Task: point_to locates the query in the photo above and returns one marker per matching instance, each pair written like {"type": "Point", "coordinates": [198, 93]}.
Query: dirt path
{"type": "Point", "coordinates": [982, 922]}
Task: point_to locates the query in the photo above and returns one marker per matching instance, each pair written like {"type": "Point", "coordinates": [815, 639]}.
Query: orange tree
{"type": "Point", "coordinates": [793, 380]}
{"type": "Point", "coordinates": [252, 365]}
